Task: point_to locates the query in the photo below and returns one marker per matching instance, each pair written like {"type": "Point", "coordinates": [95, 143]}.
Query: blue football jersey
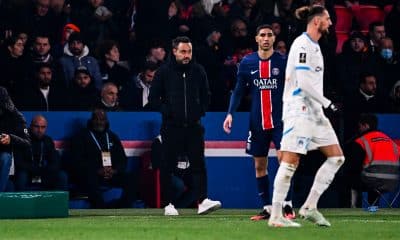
{"type": "Point", "coordinates": [265, 78]}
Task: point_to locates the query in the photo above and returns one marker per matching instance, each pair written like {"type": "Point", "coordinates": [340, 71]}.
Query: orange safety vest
{"type": "Point", "coordinates": [382, 156]}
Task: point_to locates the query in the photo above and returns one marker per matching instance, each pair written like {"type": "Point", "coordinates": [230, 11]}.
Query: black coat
{"type": "Point", "coordinates": [87, 157]}
{"type": "Point", "coordinates": [13, 123]}
{"type": "Point", "coordinates": [41, 158]}
{"type": "Point", "coordinates": [180, 92]}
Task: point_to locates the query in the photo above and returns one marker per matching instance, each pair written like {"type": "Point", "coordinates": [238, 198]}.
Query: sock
{"type": "Point", "coordinates": [281, 186]}
{"type": "Point", "coordinates": [322, 180]}
{"type": "Point", "coordinates": [263, 190]}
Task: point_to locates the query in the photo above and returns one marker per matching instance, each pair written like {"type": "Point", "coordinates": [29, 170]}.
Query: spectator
{"type": "Point", "coordinates": [84, 94]}
{"type": "Point", "coordinates": [109, 98]}
{"type": "Point", "coordinates": [366, 100]}
{"type": "Point", "coordinates": [135, 97]}
{"type": "Point", "coordinates": [395, 98]}
{"type": "Point", "coordinates": [210, 55]}
{"type": "Point", "coordinates": [38, 19]}
{"type": "Point", "coordinates": [45, 94]}
{"type": "Point", "coordinates": [111, 68]}
{"type": "Point", "coordinates": [156, 53]}
{"type": "Point", "coordinates": [14, 136]}
{"type": "Point", "coordinates": [180, 92]}
{"type": "Point", "coordinates": [386, 64]}
{"type": "Point", "coordinates": [13, 66]}
{"type": "Point", "coordinates": [392, 24]}
{"type": "Point", "coordinates": [76, 54]}
{"type": "Point", "coordinates": [96, 22]}
{"type": "Point", "coordinates": [374, 161]}
{"type": "Point", "coordinates": [376, 32]}
{"type": "Point", "coordinates": [41, 164]}
{"type": "Point", "coordinates": [100, 160]}
{"type": "Point", "coordinates": [350, 63]}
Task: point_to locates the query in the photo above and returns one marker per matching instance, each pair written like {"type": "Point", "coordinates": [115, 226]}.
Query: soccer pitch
{"type": "Point", "coordinates": [351, 224]}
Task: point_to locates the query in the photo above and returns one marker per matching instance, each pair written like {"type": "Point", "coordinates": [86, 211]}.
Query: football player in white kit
{"type": "Point", "coordinates": [305, 125]}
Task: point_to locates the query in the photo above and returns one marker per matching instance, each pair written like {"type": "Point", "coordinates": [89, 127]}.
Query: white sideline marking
{"type": "Point", "coordinates": [370, 221]}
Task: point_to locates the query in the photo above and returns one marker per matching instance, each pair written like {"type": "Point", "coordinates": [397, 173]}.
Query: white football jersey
{"type": "Point", "coordinates": [305, 63]}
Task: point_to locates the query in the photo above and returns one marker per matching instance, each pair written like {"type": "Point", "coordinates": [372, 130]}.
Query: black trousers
{"type": "Point", "coordinates": [183, 142]}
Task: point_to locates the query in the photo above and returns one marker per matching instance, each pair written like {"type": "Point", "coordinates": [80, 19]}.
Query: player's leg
{"type": "Point", "coordinates": [288, 210]}
{"type": "Point", "coordinates": [258, 146]}
{"type": "Point", "coordinates": [294, 143]}
{"type": "Point", "coordinates": [282, 182]}
{"type": "Point", "coordinates": [323, 179]}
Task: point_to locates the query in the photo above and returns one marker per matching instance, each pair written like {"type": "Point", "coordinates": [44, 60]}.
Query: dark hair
{"type": "Point", "coordinates": [42, 65]}
{"type": "Point", "coordinates": [11, 41]}
{"type": "Point", "coordinates": [307, 13]}
{"type": "Point", "coordinates": [370, 119]}
{"type": "Point", "coordinates": [149, 65]}
{"type": "Point", "coordinates": [364, 75]}
{"type": "Point", "coordinates": [372, 25]}
{"type": "Point", "coordinates": [259, 28]}
{"type": "Point", "coordinates": [76, 36]}
{"type": "Point", "coordinates": [181, 39]}
{"type": "Point", "coordinates": [105, 47]}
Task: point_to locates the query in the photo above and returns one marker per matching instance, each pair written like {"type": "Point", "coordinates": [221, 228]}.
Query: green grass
{"type": "Point", "coordinates": [229, 224]}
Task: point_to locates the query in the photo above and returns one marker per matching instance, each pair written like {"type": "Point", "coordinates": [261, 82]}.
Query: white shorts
{"type": "Point", "coordinates": [301, 134]}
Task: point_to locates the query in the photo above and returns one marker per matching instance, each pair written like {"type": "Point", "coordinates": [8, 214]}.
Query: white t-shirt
{"type": "Point", "coordinates": [303, 92]}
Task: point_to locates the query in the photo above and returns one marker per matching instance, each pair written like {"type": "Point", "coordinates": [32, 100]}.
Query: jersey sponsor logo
{"type": "Point", "coordinates": [275, 71]}
{"type": "Point", "coordinates": [266, 83]}
{"type": "Point", "coordinates": [253, 72]}
{"type": "Point", "coordinates": [302, 57]}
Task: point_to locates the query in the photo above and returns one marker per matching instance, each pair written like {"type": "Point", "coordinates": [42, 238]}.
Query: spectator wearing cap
{"type": "Point", "coordinates": [76, 54]}
{"type": "Point", "coordinates": [84, 94]}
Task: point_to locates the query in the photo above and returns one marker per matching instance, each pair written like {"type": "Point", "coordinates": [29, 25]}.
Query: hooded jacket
{"type": "Point", "coordinates": [70, 63]}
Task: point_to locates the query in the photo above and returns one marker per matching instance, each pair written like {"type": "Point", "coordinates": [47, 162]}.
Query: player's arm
{"type": "Point", "coordinates": [303, 74]}
{"type": "Point", "coordinates": [235, 97]}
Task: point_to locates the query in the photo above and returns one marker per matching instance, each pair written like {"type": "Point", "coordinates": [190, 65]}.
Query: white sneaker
{"type": "Point", "coordinates": [314, 216]}
{"type": "Point", "coordinates": [170, 210]}
{"type": "Point", "coordinates": [282, 222]}
{"type": "Point", "coordinates": [207, 206]}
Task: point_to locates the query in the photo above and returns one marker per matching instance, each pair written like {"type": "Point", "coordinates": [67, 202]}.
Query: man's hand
{"type": "Point", "coordinates": [5, 139]}
{"type": "Point", "coordinates": [106, 172]}
{"type": "Point", "coordinates": [228, 123]}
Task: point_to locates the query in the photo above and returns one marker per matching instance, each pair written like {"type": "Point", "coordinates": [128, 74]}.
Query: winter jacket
{"type": "Point", "coordinates": [180, 92]}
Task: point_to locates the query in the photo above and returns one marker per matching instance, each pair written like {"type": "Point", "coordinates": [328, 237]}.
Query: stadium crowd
{"type": "Point", "coordinates": [72, 55]}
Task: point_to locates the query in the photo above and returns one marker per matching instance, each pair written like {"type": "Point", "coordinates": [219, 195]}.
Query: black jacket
{"type": "Point", "coordinates": [180, 92]}
{"type": "Point", "coordinates": [87, 156]}
{"type": "Point", "coordinates": [12, 122]}
{"type": "Point", "coordinates": [41, 158]}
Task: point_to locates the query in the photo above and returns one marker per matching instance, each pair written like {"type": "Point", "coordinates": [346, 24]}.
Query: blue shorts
{"type": "Point", "coordinates": [258, 142]}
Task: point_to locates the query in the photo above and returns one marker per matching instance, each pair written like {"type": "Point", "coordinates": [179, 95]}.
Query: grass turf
{"type": "Point", "coordinates": [351, 224]}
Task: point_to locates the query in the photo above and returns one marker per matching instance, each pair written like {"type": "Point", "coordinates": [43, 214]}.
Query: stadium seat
{"type": "Point", "coordinates": [344, 19]}
{"type": "Point", "coordinates": [341, 38]}
{"type": "Point", "coordinates": [368, 14]}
